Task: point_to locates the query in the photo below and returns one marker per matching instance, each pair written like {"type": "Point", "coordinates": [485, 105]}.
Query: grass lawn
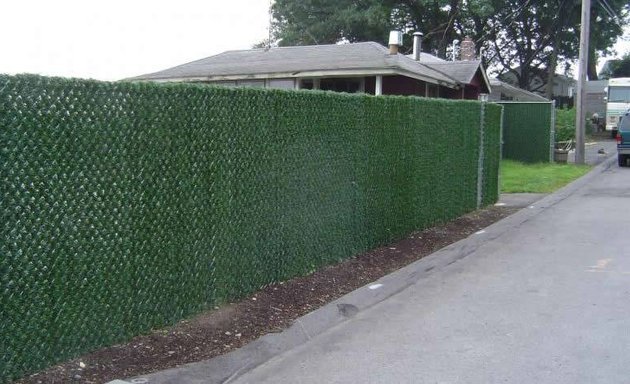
{"type": "Point", "coordinates": [538, 178]}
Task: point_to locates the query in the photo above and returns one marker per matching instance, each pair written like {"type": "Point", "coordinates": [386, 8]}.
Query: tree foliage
{"type": "Point", "coordinates": [617, 68]}
{"type": "Point", "coordinates": [532, 35]}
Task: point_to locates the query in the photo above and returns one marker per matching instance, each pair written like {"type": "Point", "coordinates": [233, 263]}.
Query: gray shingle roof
{"type": "Point", "coordinates": [462, 71]}
{"type": "Point", "coordinates": [428, 58]}
{"type": "Point", "coordinates": [518, 94]}
{"type": "Point", "coordinates": [293, 60]}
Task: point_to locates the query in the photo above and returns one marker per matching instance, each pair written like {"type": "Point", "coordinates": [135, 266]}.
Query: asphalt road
{"type": "Point", "coordinates": [593, 151]}
{"type": "Point", "coordinates": [547, 301]}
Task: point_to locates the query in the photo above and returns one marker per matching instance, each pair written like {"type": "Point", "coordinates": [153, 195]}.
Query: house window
{"type": "Point", "coordinates": [306, 84]}
{"type": "Point", "coordinates": [432, 90]}
{"type": "Point", "coordinates": [225, 83]}
{"type": "Point", "coordinates": [251, 83]}
{"type": "Point", "coordinates": [350, 85]}
{"type": "Point", "coordinates": [281, 83]}
{"type": "Point", "coordinates": [347, 85]}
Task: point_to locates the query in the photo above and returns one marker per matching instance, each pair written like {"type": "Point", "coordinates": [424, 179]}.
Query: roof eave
{"type": "Point", "coordinates": [486, 79]}
{"type": "Point", "coordinates": [305, 74]}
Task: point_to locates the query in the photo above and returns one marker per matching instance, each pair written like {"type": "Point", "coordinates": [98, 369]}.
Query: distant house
{"type": "Point", "coordinates": [595, 97]}
{"type": "Point", "coordinates": [502, 91]}
{"type": "Point", "coordinates": [360, 67]}
{"type": "Point", "coordinates": [563, 86]}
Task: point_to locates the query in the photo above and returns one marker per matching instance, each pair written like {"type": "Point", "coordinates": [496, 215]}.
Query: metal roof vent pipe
{"type": "Point", "coordinates": [417, 45]}
{"type": "Point", "coordinates": [455, 49]}
{"type": "Point", "coordinates": [395, 41]}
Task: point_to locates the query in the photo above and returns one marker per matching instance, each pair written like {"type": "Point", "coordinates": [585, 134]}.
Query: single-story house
{"type": "Point", "coordinates": [366, 67]}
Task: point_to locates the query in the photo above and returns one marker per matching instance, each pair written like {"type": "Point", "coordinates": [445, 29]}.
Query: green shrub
{"type": "Point", "coordinates": [565, 124]}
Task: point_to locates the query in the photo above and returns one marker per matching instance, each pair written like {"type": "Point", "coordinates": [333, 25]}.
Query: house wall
{"type": "Point", "coordinates": [563, 86]}
{"type": "Point", "coordinates": [595, 95]}
{"type": "Point", "coordinates": [392, 85]}
{"type": "Point", "coordinates": [472, 92]}
{"type": "Point", "coordinates": [406, 86]}
{"type": "Point", "coordinates": [403, 86]}
{"type": "Point", "coordinates": [397, 85]}
{"type": "Point", "coordinates": [476, 87]}
{"type": "Point", "coordinates": [450, 93]}
{"type": "Point", "coordinates": [476, 81]}
{"type": "Point", "coordinates": [265, 83]}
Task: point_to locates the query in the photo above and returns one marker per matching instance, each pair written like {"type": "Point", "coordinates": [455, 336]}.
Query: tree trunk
{"type": "Point", "coordinates": [523, 78]}
{"type": "Point", "coordinates": [591, 71]}
{"type": "Point", "coordinates": [551, 74]}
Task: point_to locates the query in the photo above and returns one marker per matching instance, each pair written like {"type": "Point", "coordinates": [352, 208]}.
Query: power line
{"type": "Point", "coordinates": [610, 11]}
{"type": "Point", "coordinates": [604, 6]}
{"type": "Point", "coordinates": [607, 8]}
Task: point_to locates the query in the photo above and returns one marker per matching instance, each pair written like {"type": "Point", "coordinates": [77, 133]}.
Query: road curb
{"type": "Point", "coordinates": [226, 368]}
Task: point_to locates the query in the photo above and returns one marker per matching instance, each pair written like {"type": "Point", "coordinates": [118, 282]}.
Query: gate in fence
{"type": "Point", "coordinates": [528, 131]}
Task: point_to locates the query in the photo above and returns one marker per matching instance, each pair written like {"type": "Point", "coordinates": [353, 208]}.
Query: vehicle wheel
{"type": "Point", "coordinates": [621, 160]}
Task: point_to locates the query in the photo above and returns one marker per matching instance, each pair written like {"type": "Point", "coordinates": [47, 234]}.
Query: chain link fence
{"type": "Point", "coordinates": [129, 206]}
{"type": "Point", "coordinates": [528, 131]}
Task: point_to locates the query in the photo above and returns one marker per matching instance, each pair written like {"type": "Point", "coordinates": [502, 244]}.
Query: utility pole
{"type": "Point", "coordinates": [580, 117]}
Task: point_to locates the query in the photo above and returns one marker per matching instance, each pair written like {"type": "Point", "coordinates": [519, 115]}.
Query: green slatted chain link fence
{"type": "Point", "coordinates": [130, 206]}
{"type": "Point", "coordinates": [528, 131]}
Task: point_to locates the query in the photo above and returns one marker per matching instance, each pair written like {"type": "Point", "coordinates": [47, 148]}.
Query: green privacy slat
{"type": "Point", "coordinates": [129, 206]}
{"type": "Point", "coordinates": [492, 136]}
{"type": "Point", "coordinates": [527, 131]}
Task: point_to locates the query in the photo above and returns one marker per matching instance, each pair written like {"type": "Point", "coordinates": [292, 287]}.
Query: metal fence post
{"type": "Point", "coordinates": [500, 152]}
{"type": "Point", "coordinates": [481, 155]}
{"type": "Point", "coordinates": [552, 140]}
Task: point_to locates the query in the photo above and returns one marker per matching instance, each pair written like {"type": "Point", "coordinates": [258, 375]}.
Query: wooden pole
{"type": "Point", "coordinates": [580, 117]}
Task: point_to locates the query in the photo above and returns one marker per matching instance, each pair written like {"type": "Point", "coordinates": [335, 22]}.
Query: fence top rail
{"type": "Point", "coordinates": [523, 102]}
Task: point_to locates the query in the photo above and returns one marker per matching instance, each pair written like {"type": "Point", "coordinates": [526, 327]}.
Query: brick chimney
{"type": "Point", "coordinates": [467, 49]}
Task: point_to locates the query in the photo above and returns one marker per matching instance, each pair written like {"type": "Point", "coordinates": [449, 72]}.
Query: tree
{"type": "Point", "coordinates": [606, 27]}
{"type": "Point", "coordinates": [535, 37]}
{"type": "Point", "coordinates": [311, 22]}
{"type": "Point", "coordinates": [522, 37]}
{"type": "Point", "coordinates": [617, 68]}
{"type": "Point", "coordinates": [331, 21]}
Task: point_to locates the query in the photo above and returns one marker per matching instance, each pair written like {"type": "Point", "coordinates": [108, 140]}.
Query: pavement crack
{"type": "Point", "coordinates": [308, 336]}
{"type": "Point", "coordinates": [238, 372]}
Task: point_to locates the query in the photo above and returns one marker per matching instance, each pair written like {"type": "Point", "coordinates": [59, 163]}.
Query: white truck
{"type": "Point", "coordinates": [617, 102]}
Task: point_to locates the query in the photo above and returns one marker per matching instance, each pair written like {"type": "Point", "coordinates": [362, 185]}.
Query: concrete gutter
{"type": "Point", "coordinates": [225, 368]}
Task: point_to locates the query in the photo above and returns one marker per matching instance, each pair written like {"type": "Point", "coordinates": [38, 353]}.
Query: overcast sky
{"type": "Point", "coordinates": [114, 39]}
